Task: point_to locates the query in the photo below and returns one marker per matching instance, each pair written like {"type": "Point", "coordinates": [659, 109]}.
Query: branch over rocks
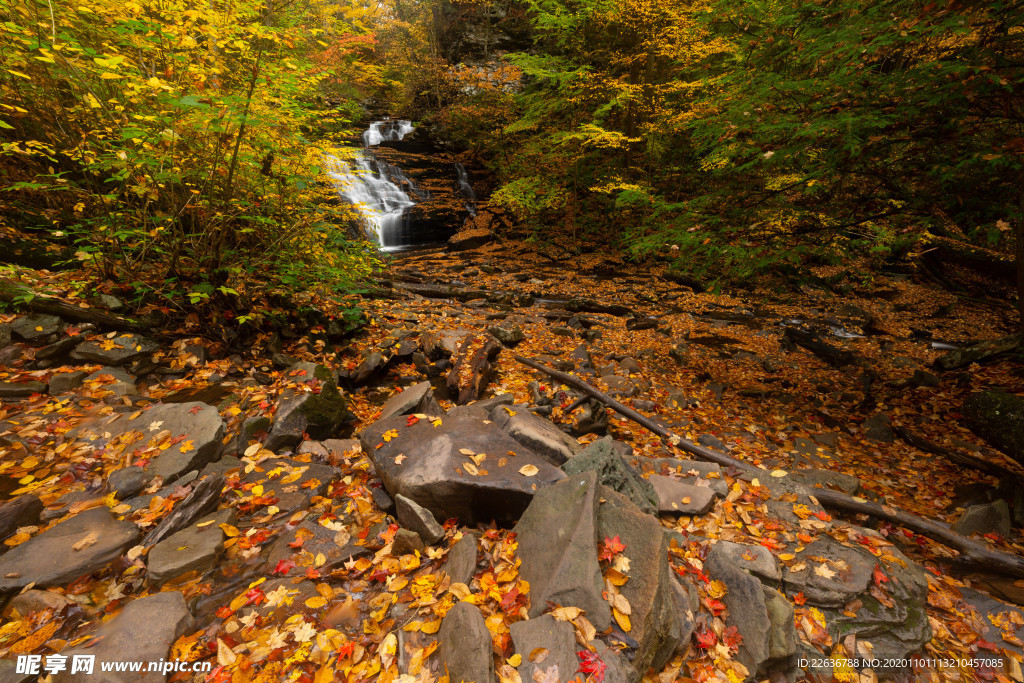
{"type": "Point", "coordinates": [978, 352]}
{"type": "Point", "coordinates": [995, 469]}
{"type": "Point", "coordinates": [13, 293]}
{"type": "Point", "coordinates": [970, 549]}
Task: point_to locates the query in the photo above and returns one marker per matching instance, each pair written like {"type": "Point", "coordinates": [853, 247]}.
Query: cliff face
{"type": "Point", "coordinates": [478, 33]}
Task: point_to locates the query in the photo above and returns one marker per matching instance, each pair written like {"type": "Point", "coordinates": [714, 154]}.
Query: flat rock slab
{"type": "Point", "coordinates": [827, 479]}
{"type": "Point", "coordinates": [21, 389]}
{"type": "Point", "coordinates": [406, 401]}
{"type": "Point", "coordinates": [832, 574]}
{"type": "Point", "coordinates": [693, 472]}
{"type": "Point", "coordinates": [678, 498]}
{"type": "Point", "coordinates": [196, 548]}
{"type": "Point", "coordinates": [143, 632]}
{"type": "Point", "coordinates": [545, 633]}
{"type": "Point", "coordinates": [429, 464]}
{"type": "Point", "coordinates": [50, 558]}
{"type": "Point", "coordinates": [558, 539]}
{"type": "Point", "coordinates": [755, 559]}
{"type": "Point", "coordinates": [117, 351]}
{"type": "Point", "coordinates": [36, 326]}
{"type": "Point", "coordinates": [299, 549]}
{"type": "Point", "coordinates": [465, 645]}
{"type": "Point", "coordinates": [18, 512]}
{"type": "Point", "coordinates": [197, 427]}
{"type": "Point", "coordinates": [292, 482]}
{"type": "Point", "coordinates": [539, 435]}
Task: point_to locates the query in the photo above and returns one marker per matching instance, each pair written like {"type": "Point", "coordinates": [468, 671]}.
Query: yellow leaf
{"type": "Point", "coordinates": [18, 73]}
{"type": "Point", "coordinates": [431, 627]}
{"type": "Point", "coordinates": [622, 620]}
{"type": "Point", "coordinates": [515, 660]}
{"type": "Point", "coordinates": [471, 468]}
{"type": "Point", "coordinates": [716, 589]}
{"type": "Point", "coordinates": [257, 490]}
{"type": "Point", "coordinates": [108, 76]}
{"type": "Point", "coordinates": [528, 470]}
{"type": "Point", "coordinates": [17, 539]}
{"type": "Point", "coordinates": [317, 602]}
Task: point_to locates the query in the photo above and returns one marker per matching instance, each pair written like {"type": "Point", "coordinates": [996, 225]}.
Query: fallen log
{"type": "Point", "coordinates": [471, 368]}
{"type": "Point", "coordinates": [12, 293]}
{"type": "Point", "coordinates": [970, 549]}
{"type": "Point", "coordinates": [832, 355]}
{"type": "Point", "coordinates": [978, 352]}
{"type": "Point", "coordinates": [996, 470]}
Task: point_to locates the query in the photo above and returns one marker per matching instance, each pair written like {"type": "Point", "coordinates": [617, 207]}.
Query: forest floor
{"type": "Point", "coordinates": [715, 368]}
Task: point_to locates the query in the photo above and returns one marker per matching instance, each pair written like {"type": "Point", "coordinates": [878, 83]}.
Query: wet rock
{"type": "Point", "coordinates": [557, 637]}
{"type": "Point", "coordinates": [117, 351]}
{"type": "Point", "coordinates": [292, 482]}
{"type": "Point", "coordinates": [782, 638]}
{"type": "Point", "coordinates": [839, 575]}
{"type": "Point", "coordinates": [331, 538]}
{"type": "Point", "coordinates": [127, 482]}
{"type": "Point", "coordinates": [407, 542]}
{"type": "Point", "coordinates": [195, 548]}
{"type": "Point", "coordinates": [649, 589]}
{"type": "Point", "coordinates": [442, 343]}
{"type": "Point", "coordinates": [469, 239]}
{"type": "Point", "coordinates": [998, 418]}
{"type": "Point", "coordinates": [36, 326]}
{"type": "Point", "coordinates": [18, 512]}
{"type": "Point", "coordinates": [381, 499]}
{"type": "Point", "coordinates": [755, 559]}
{"type": "Point", "coordinates": [465, 645]}
{"type": "Point", "coordinates": [879, 428]}
{"type": "Point", "coordinates": [66, 381]}
{"type": "Point", "coordinates": [675, 497]}
{"type": "Point", "coordinates": [50, 558]}
{"type": "Point", "coordinates": [693, 472]}
{"type": "Point", "coordinates": [416, 518]}
{"type": "Point", "coordinates": [425, 463]}
{"type": "Point", "coordinates": [827, 479]}
{"type": "Point", "coordinates": [923, 378]}
{"type": "Point", "coordinates": [621, 387]}
{"type": "Point", "coordinates": [371, 364]}
{"type": "Point", "coordinates": [203, 499]}
{"type": "Point", "coordinates": [983, 519]}
{"type": "Point", "coordinates": [59, 349]}
{"type": "Point", "coordinates": [144, 631]}
{"type": "Point", "coordinates": [5, 335]}
{"type": "Point", "coordinates": [16, 390]}
{"type": "Point", "coordinates": [37, 601]}
{"type": "Point", "coordinates": [509, 336]}
{"type": "Point", "coordinates": [317, 416]}
{"type": "Point", "coordinates": [712, 441]}
{"type": "Point", "coordinates": [612, 471]}
{"type": "Point", "coordinates": [462, 559]}
{"type": "Point", "coordinates": [306, 372]}
{"type": "Point", "coordinates": [407, 401]}
{"type": "Point", "coordinates": [745, 601]}
{"type": "Point", "coordinates": [539, 435]}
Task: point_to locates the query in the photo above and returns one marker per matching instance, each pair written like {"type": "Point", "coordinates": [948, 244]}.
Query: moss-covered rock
{"type": "Point", "coordinates": [998, 418]}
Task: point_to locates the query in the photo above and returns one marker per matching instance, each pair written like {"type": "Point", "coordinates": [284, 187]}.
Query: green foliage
{"type": "Point", "coordinates": [169, 139]}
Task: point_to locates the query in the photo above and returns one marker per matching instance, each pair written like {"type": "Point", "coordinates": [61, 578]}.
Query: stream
{"type": "Point", "coordinates": [407, 195]}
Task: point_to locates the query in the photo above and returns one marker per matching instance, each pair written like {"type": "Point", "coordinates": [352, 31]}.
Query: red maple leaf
{"type": "Point", "coordinates": [255, 596]}
{"type": "Point", "coordinates": [591, 664]}
{"type": "Point", "coordinates": [879, 577]}
{"type": "Point", "coordinates": [799, 598]}
{"type": "Point", "coordinates": [610, 548]}
{"type": "Point", "coordinates": [706, 638]}
{"type": "Point", "coordinates": [195, 409]}
{"type": "Point", "coordinates": [283, 566]}
{"type": "Point", "coordinates": [411, 420]}
{"type": "Point", "coordinates": [731, 637]}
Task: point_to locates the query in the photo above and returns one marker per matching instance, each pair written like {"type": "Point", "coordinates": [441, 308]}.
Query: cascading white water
{"type": "Point", "coordinates": [382, 192]}
{"type": "Point", "coordinates": [379, 131]}
{"type": "Point", "coordinates": [465, 188]}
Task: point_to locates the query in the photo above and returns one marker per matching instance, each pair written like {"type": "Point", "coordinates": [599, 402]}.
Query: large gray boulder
{"type": "Point", "coordinates": [196, 548]}
{"type": "Point", "coordinates": [745, 601]}
{"type": "Point", "coordinates": [545, 633]}
{"type": "Point", "coordinates": [997, 417]}
{"type": "Point", "coordinates": [558, 536]}
{"type": "Point", "coordinates": [144, 631]}
{"type": "Point", "coordinates": [196, 428]}
{"type": "Point", "coordinates": [80, 545]}
{"type": "Point", "coordinates": [35, 326]}
{"type": "Point", "coordinates": [430, 465]}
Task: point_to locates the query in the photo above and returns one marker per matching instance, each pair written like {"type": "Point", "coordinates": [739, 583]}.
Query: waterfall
{"type": "Point", "coordinates": [462, 182]}
{"type": "Point", "coordinates": [379, 131]}
{"type": "Point", "coordinates": [382, 193]}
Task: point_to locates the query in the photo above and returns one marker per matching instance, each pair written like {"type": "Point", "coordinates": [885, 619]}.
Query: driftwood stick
{"type": "Point", "coordinates": [970, 549]}
{"type": "Point", "coordinates": [996, 470]}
